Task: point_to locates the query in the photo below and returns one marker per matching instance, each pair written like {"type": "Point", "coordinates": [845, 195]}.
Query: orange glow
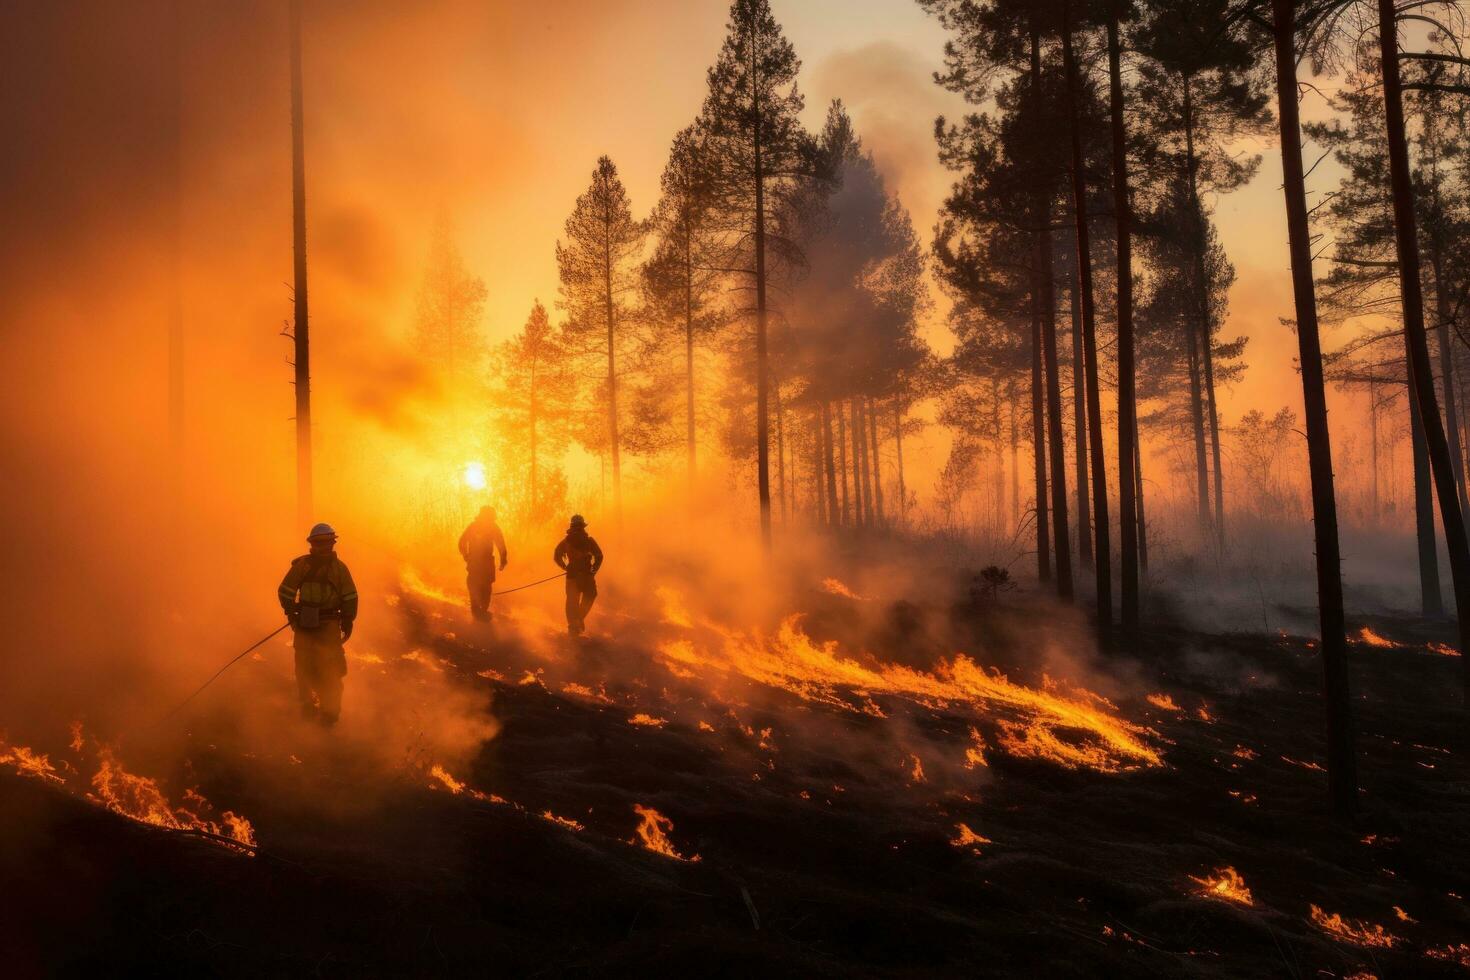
{"type": "Point", "coordinates": [1368, 637]}
{"type": "Point", "coordinates": [1074, 729]}
{"type": "Point", "coordinates": [965, 837]}
{"type": "Point", "coordinates": [566, 822]}
{"type": "Point", "coordinates": [1164, 702]}
{"type": "Point", "coordinates": [29, 763]}
{"type": "Point", "coordinates": [140, 798]}
{"type": "Point", "coordinates": [1225, 884]}
{"type": "Point", "coordinates": [653, 834]}
{"type": "Point", "coordinates": [833, 586]}
{"type": "Point", "coordinates": [647, 720]}
{"type": "Point", "coordinates": [1366, 934]}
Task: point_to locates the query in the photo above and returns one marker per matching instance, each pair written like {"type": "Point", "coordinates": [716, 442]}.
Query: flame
{"type": "Point", "coordinates": [917, 774]}
{"type": "Point", "coordinates": [965, 837]}
{"type": "Point", "coordinates": [674, 611]}
{"type": "Point", "coordinates": [1226, 884]}
{"type": "Point", "coordinates": [140, 798]}
{"type": "Point", "coordinates": [1053, 721]}
{"type": "Point", "coordinates": [1163, 701]}
{"type": "Point", "coordinates": [409, 580]}
{"type": "Point", "coordinates": [1403, 916]}
{"type": "Point", "coordinates": [446, 780]}
{"type": "Point", "coordinates": [832, 586]}
{"type": "Point", "coordinates": [1242, 752]}
{"type": "Point", "coordinates": [975, 754]}
{"type": "Point", "coordinates": [653, 834]}
{"type": "Point", "coordinates": [28, 762]}
{"type": "Point", "coordinates": [1443, 649]}
{"type": "Point", "coordinates": [1356, 932]}
{"type": "Point", "coordinates": [648, 720]}
{"type": "Point", "coordinates": [566, 822]}
{"type": "Point", "coordinates": [1368, 637]}
{"type": "Point", "coordinates": [1454, 953]}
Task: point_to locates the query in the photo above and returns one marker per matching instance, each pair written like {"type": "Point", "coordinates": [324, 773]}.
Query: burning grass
{"type": "Point", "coordinates": [653, 834]}
{"type": "Point", "coordinates": [139, 798]}
{"type": "Point", "coordinates": [1069, 727]}
{"type": "Point", "coordinates": [1369, 935]}
{"type": "Point", "coordinates": [1226, 884]}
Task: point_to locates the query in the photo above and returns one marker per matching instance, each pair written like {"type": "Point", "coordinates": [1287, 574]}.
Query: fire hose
{"type": "Point", "coordinates": [258, 643]}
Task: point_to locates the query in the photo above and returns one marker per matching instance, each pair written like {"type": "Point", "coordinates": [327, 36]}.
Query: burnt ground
{"type": "Point", "coordinates": [818, 853]}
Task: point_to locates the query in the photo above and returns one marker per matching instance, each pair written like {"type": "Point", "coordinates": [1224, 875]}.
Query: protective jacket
{"type": "Point", "coordinates": [578, 554]}
{"type": "Point", "coordinates": [322, 582]}
{"type": "Point", "coordinates": [479, 543]}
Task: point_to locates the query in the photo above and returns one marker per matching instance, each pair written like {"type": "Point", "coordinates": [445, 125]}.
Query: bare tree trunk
{"type": "Point", "coordinates": [833, 515]}
{"type": "Point", "coordinates": [1046, 287]}
{"type": "Point", "coordinates": [1197, 416]}
{"type": "Point", "coordinates": [1011, 414]}
{"type": "Point", "coordinates": [1202, 298]}
{"type": "Point", "coordinates": [860, 460]}
{"type": "Point", "coordinates": [876, 463]}
{"type": "Point", "coordinates": [689, 355]}
{"type": "Point", "coordinates": [903, 494]}
{"type": "Point", "coordinates": [1447, 368]}
{"type": "Point", "coordinates": [780, 450]}
{"type": "Point", "coordinates": [842, 461]}
{"type": "Point", "coordinates": [763, 422]}
{"type": "Point", "coordinates": [301, 330]}
{"type": "Point", "coordinates": [1138, 492]}
{"type": "Point", "coordinates": [1406, 238]}
{"type": "Point", "coordinates": [1038, 427]}
{"type": "Point", "coordinates": [175, 54]}
{"type": "Point", "coordinates": [612, 378]}
{"type": "Point", "coordinates": [1127, 401]}
{"type": "Point", "coordinates": [1079, 427]}
{"type": "Point", "coordinates": [1431, 602]}
{"type": "Point", "coordinates": [1103, 556]}
{"type": "Point", "coordinates": [1373, 419]}
{"type": "Point", "coordinates": [1342, 777]}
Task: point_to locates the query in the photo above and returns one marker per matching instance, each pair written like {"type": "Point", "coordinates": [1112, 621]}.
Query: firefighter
{"type": "Point", "coordinates": [579, 556]}
{"type": "Point", "coordinates": [478, 544]}
{"type": "Point", "coordinates": [320, 600]}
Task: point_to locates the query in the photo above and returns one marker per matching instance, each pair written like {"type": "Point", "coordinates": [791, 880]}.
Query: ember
{"type": "Point", "coordinates": [965, 837]}
{"type": "Point", "coordinates": [140, 798]}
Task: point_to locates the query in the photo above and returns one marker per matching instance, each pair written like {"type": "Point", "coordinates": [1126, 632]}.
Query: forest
{"type": "Point", "coordinates": [1027, 439]}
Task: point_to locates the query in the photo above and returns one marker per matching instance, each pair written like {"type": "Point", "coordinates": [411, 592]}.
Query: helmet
{"type": "Point", "coordinates": [322, 531]}
{"type": "Point", "coordinates": [578, 520]}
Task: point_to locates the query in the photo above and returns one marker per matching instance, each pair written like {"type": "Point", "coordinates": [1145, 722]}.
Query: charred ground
{"type": "Point", "coordinates": [829, 841]}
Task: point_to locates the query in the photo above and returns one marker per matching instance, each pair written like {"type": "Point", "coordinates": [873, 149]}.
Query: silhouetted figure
{"type": "Point", "coordinates": [320, 599]}
{"type": "Point", "coordinates": [580, 557]}
{"type": "Point", "coordinates": [478, 544]}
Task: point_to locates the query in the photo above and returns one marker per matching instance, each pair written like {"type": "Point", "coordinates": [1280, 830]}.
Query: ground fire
{"type": "Point", "coordinates": [938, 488]}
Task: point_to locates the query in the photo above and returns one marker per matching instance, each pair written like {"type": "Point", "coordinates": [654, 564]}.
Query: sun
{"type": "Point", "coordinates": [474, 476]}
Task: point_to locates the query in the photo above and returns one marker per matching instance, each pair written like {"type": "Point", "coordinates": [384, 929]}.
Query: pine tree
{"type": "Point", "coordinates": [535, 407]}
{"type": "Point", "coordinates": [597, 263]}
{"type": "Point", "coordinates": [761, 155]}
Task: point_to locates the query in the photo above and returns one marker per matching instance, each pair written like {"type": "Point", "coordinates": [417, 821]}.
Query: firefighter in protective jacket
{"type": "Point", "coordinates": [579, 556]}
{"type": "Point", "coordinates": [478, 545]}
{"type": "Point", "coordinates": [320, 599]}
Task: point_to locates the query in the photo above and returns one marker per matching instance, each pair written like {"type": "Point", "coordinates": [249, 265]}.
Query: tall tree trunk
{"type": "Point", "coordinates": [903, 493]}
{"type": "Point", "coordinates": [1202, 299]}
{"type": "Point", "coordinates": [763, 424]}
{"type": "Point", "coordinates": [1431, 601]}
{"type": "Point", "coordinates": [532, 421]}
{"type": "Point", "coordinates": [780, 451]}
{"type": "Point", "coordinates": [1079, 427]}
{"type": "Point", "coordinates": [1138, 493]}
{"type": "Point", "coordinates": [1127, 400]}
{"type": "Point", "coordinates": [1047, 289]}
{"type": "Point", "coordinates": [1447, 366]}
{"type": "Point", "coordinates": [860, 460]}
{"type": "Point", "coordinates": [1103, 557]}
{"type": "Point", "coordinates": [1038, 426]}
{"type": "Point", "coordinates": [1373, 421]}
{"type": "Point", "coordinates": [1011, 414]}
{"type": "Point", "coordinates": [302, 328]}
{"type": "Point", "coordinates": [819, 491]}
{"type": "Point", "coordinates": [842, 461]}
{"type": "Point", "coordinates": [1197, 417]}
{"type": "Point", "coordinates": [876, 463]}
{"type": "Point", "coordinates": [1342, 777]}
{"type": "Point", "coordinates": [689, 354]}
{"type": "Point", "coordinates": [1406, 238]}
{"type": "Point", "coordinates": [612, 378]}
{"type": "Point", "coordinates": [175, 54]}
{"type": "Point", "coordinates": [834, 516]}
